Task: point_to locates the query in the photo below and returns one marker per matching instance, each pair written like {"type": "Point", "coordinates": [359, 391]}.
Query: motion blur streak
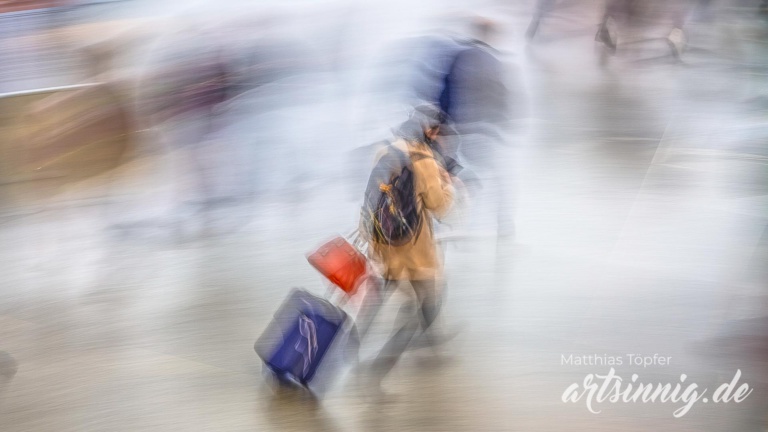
{"type": "Point", "coordinates": [166, 166]}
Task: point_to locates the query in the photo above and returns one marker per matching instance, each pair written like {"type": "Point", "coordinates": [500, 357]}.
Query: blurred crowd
{"type": "Point", "coordinates": [240, 103]}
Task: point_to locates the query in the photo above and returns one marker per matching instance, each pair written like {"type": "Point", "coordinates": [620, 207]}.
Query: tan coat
{"type": "Point", "coordinates": [418, 260]}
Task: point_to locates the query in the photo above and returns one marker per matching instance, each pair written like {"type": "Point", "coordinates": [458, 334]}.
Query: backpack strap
{"type": "Point", "coordinates": [413, 158]}
{"type": "Point", "coordinates": [403, 157]}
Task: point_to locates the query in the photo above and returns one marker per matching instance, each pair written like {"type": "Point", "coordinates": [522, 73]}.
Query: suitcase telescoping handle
{"type": "Point", "coordinates": [338, 297]}
{"type": "Point", "coordinates": [357, 240]}
{"type": "Point", "coordinates": [354, 238]}
{"type": "Point", "coordinates": [335, 296]}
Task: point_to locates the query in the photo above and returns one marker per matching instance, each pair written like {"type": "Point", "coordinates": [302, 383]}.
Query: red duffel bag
{"type": "Point", "coordinates": [341, 262]}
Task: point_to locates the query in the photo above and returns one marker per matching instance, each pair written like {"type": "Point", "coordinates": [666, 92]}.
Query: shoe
{"type": "Point", "coordinates": [369, 384]}
{"type": "Point", "coordinates": [604, 36]}
{"type": "Point", "coordinates": [677, 42]}
{"type": "Point", "coordinates": [431, 340]}
{"type": "Point", "coordinates": [378, 396]}
{"type": "Point", "coordinates": [435, 360]}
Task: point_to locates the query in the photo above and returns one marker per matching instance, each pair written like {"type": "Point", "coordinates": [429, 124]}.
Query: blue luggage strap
{"type": "Point", "coordinates": [307, 346]}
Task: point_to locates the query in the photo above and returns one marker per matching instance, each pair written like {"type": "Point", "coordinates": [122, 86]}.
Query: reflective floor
{"type": "Point", "coordinates": [640, 204]}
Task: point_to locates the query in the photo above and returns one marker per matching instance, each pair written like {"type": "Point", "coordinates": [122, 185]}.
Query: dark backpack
{"type": "Point", "coordinates": [390, 213]}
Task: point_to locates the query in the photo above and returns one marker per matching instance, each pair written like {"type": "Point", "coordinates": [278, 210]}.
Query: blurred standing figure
{"type": "Point", "coordinates": [627, 12]}
{"type": "Point", "coordinates": [476, 98]}
{"type": "Point", "coordinates": [193, 83]}
{"type": "Point", "coordinates": [188, 92]}
{"type": "Point", "coordinates": [417, 260]}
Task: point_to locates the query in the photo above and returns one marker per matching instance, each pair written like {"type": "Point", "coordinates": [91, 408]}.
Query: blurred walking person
{"type": "Point", "coordinates": [483, 99]}
{"type": "Point", "coordinates": [621, 15]}
{"type": "Point", "coordinates": [189, 90]}
{"type": "Point", "coordinates": [407, 189]}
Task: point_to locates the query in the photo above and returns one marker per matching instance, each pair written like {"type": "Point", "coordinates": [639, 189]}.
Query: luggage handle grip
{"type": "Point", "coordinates": [357, 240]}
{"type": "Point", "coordinates": [333, 289]}
{"type": "Point", "coordinates": [354, 238]}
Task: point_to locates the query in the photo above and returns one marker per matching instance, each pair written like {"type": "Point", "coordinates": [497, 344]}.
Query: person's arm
{"type": "Point", "coordinates": [434, 185]}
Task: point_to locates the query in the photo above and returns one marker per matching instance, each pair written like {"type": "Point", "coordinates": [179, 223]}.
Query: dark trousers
{"type": "Point", "coordinates": [418, 313]}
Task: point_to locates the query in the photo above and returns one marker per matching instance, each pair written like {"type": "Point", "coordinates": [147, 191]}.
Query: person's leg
{"type": "Point", "coordinates": [677, 39]}
{"type": "Point", "coordinates": [428, 300]}
{"type": "Point", "coordinates": [503, 171]}
{"type": "Point", "coordinates": [542, 8]}
{"type": "Point", "coordinates": [476, 150]}
{"type": "Point", "coordinates": [202, 158]}
{"type": "Point", "coordinates": [377, 292]}
{"type": "Point", "coordinates": [614, 9]}
{"type": "Point", "coordinates": [492, 155]}
{"type": "Point", "coordinates": [406, 326]}
{"type": "Point", "coordinates": [183, 134]}
{"type": "Point", "coordinates": [418, 310]}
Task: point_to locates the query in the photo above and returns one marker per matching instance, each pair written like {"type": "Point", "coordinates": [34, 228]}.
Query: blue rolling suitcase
{"type": "Point", "coordinates": [305, 342]}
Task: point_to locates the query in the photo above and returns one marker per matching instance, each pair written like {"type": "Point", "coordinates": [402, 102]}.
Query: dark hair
{"type": "Point", "coordinates": [430, 114]}
{"type": "Point", "coordinates": [423, 118]}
